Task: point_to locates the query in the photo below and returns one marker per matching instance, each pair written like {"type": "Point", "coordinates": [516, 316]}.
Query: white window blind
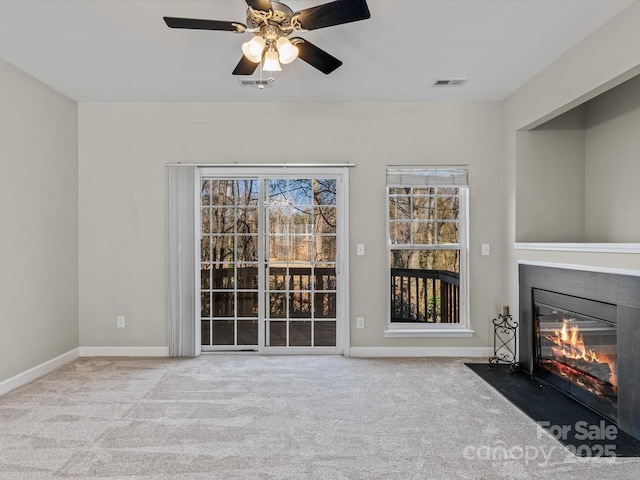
{"type": "Point", "coordinates": [456, 175]}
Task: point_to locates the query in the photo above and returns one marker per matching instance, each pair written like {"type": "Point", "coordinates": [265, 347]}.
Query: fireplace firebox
{"type": "Point", "coordinates": [580, 332]}
{"type": "Point", "coordinates": [575, 350]}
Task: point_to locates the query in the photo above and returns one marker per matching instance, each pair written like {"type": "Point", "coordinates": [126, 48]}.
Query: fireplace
{"type": "Point", "coordinates": [580, 332]}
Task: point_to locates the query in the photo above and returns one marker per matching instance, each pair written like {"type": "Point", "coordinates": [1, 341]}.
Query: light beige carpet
{"type": "Point", "coordinates": [274, 418]}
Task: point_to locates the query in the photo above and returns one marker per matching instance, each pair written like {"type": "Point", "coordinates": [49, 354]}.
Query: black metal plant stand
{"type": "Point", "coordinates": [505, 342]}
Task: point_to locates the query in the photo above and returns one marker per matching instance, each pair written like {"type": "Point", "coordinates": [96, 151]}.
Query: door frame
{"type": "Point", "coordinates": [261, 172]}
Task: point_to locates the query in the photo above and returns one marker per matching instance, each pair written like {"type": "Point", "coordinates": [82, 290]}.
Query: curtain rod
{"type": "Point", "coordinates": [257, 165]}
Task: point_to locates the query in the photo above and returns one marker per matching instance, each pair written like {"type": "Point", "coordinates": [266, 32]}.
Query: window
{"type": "Point", "coordinates": [426, 239]}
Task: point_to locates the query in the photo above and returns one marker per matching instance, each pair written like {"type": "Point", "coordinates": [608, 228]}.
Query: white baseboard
{"type": "Point", "coordinates": [421, 352]}
{"type": "Point", "coordinates": [37, 371]}
{"type": "Point", "coordinates": [124, 351]}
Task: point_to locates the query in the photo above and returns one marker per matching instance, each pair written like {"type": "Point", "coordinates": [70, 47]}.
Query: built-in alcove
{"type": "Point", "coordinates": [577, 174]}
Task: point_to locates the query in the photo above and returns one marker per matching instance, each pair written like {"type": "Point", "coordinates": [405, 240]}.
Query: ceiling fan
{"type": "Point", "coordinates": [272, 23]}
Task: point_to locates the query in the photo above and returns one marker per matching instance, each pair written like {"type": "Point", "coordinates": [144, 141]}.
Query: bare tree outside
{"type": "Point", "coordinates": [229, 256]}
{"type": "Point", "coordinates": [424, 222]}
{"type": "Point", "coordinates": [300, 229]}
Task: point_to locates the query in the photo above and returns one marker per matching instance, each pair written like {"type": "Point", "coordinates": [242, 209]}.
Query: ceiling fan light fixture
{"type": "Point", "coordinates": [253, 49]}
{"type": "Point", "coordinates": [287, 52]}
{"type": "Point", "coordinates": [271, 63]}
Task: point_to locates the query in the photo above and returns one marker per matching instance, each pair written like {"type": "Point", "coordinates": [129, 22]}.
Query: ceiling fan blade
{"type": "Point", "coordinates": [264, 5]}
{"type": "Point", "coordinates": [316, 57]}
{"type": "Point", "coordinates": [201, 24]}
{"type": "Point", "coordinates": [245, 67]}
{"type": "Point", "coordinates": [333, 13]}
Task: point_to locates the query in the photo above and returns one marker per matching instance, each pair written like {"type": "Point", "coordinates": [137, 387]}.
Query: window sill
{"type": "Point", "coordinates": [427, 332]}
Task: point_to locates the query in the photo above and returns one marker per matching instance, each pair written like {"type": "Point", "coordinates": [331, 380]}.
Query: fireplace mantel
{"type": "Point", "coordinates": [580, 247]}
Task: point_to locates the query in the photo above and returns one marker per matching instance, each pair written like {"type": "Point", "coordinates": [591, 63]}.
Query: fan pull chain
{"type": "Point", "coordinates": [260, 84]}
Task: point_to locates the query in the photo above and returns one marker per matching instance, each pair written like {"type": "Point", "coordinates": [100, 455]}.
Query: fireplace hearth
{"type": "Point", "coordinates": [584, 432]}
{"type": "Point", "coordinates": [580, 332]}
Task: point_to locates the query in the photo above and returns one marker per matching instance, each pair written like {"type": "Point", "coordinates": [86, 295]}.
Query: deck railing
{"type": "Point", "coordinates": [424, 296]}
{"type": "Point", "coordinates": [299, 284]}
{"type": "Point", "coordinates": [280, 278]}
{"type": "Point", "coordinates": [417, 296]}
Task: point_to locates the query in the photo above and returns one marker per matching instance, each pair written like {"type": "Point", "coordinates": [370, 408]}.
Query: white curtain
{"type": "Point", "coordinates": [183, 301]}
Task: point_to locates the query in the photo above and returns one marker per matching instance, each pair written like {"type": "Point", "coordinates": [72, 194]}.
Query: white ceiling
{"type": "Point", "coordinates": [121, 50]}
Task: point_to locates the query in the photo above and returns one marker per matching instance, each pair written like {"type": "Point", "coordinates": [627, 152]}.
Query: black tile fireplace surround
{"type": "Point", "coordinates": [611, 297]}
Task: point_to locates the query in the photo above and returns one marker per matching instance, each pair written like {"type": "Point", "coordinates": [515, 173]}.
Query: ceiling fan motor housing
{"type": "Point", "coordinates": [279, 17]}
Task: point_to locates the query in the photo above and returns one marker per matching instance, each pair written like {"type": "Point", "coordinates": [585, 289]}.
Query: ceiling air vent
{"type": "Point", "coordinates": [449, 82]}
{"type": "Point", "coordinates": [250, 82]}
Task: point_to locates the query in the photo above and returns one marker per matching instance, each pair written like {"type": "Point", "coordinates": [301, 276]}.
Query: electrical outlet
{"type": "Point", "coordinates": [120, 321]}
{"type": "Point", "coordinates": [359, 322]}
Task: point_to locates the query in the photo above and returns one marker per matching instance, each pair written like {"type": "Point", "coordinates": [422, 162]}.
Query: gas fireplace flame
{"type": "Point", "coordinates": [568, 344]}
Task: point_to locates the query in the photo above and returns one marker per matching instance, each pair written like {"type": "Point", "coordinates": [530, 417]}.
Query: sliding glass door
{"type": "Point", "coordinates": [270, 262]}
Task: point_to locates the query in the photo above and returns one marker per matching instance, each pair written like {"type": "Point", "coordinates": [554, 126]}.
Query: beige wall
{"type": "Point", "coordinates": [550, 183]}
{"type": "Point", "coordinates": [606, 58]}
{"type": "Point", "coordinates": [39, 223]}
{"type": "Point", "coordinates": [124, 147]}
{"type": "Point", "coordinates": [612, 165]}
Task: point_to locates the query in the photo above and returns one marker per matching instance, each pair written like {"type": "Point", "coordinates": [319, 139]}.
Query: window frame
{"type": "Point", "coordinates": [417, 329]}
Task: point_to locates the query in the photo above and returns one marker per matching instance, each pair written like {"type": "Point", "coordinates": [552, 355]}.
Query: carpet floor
{"type": "Point", "coordinates": [276, 418]}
